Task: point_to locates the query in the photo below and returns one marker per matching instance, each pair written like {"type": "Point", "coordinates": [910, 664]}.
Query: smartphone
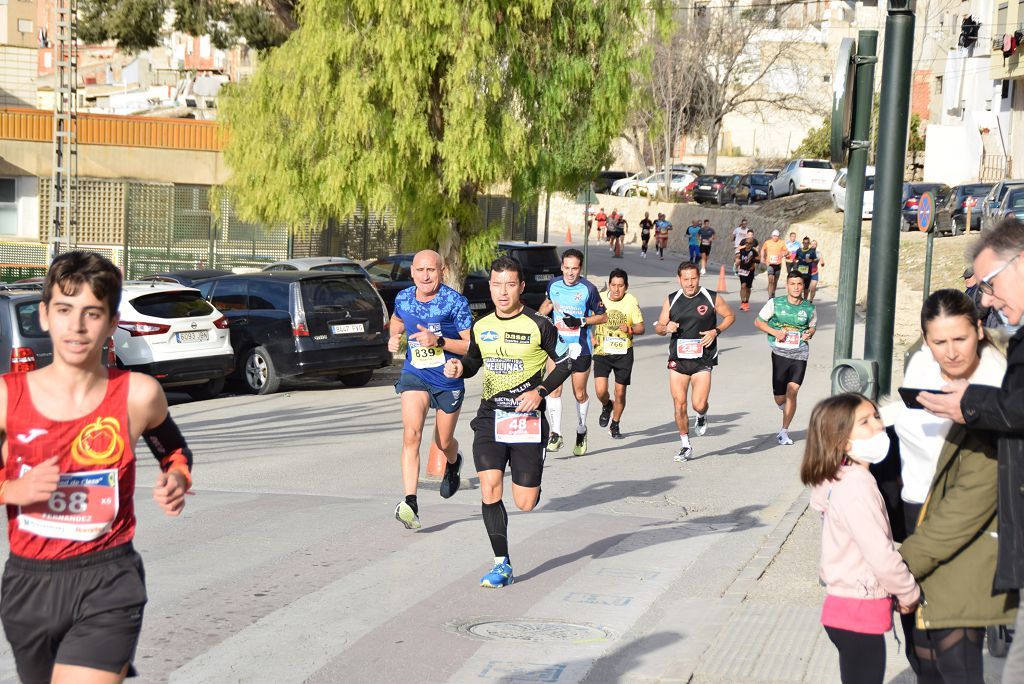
{"type": "Point", "coordinates": [909, 396]}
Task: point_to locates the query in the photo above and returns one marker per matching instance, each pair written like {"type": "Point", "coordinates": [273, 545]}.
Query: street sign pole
{"type": "Point", "coordinates": [926, 223]}
{"type": "Point", "coordinates": [859, 136]}
{"type": "Point", "coordinates": [893, 119]}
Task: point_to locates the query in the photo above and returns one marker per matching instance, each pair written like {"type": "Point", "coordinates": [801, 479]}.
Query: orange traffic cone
{"type": "Point", "coordinates": [721, 280]}
{"type": "Point", "coordinates": [436, 463]}
{"type": "Point", "coordinates": [568, 235]}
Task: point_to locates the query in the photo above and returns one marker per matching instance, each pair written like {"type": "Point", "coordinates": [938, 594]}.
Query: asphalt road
{"type": "Point", "coordinates": [288, 565]}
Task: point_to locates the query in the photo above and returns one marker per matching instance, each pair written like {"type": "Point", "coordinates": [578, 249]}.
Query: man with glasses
{"type": "Point", "coordinates": [999, 411]}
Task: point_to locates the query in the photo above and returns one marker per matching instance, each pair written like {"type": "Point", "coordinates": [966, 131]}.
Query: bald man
{"type": "Point", "coordinates": [437, 321]}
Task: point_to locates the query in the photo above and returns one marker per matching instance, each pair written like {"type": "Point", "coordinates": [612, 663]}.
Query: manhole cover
{"type": "Point", "coordinates": [526, 629]}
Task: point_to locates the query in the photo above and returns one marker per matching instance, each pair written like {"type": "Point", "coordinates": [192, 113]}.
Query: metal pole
{"type": "Point", "coordinates": [547, 214]}
{"type": "Point", "coordinates": [860, 135]}
{"type": "Point", "coordinates": [893, 118]}
{"type": "Point", "coordinates": [586, 236]}
{"type": "Point", "coordinates": [928, 264]}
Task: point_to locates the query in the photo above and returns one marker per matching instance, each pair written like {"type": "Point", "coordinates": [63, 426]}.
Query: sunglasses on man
{"type": "Point", "coordinates": [985, 284]}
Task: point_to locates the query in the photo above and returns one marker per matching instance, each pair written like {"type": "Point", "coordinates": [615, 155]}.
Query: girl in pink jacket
{"type": "Point", "coordinates": [860, 567]}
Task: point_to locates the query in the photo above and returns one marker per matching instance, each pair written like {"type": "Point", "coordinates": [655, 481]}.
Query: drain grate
{"type": "Point", "coordinates": [532, 630]}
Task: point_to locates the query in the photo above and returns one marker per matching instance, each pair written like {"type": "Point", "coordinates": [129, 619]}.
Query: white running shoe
{"type": "Point", "coordinates": [703, 271]}
{"type": "Point", "coordinates": [784, 438]}
{"type": "Point", "coordinates": [702, 425]}
{"type": "Point", "coordinates": [685, 454]}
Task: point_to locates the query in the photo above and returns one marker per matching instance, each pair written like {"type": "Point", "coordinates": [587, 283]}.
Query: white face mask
{"type": "Point", "coordinates": [872, 450]}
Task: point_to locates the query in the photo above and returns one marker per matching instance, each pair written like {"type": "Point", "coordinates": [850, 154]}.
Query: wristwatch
{"type": "Point", "coordinates": [440, 342]}
{"type": "Point", "coordinates": [718, 332]}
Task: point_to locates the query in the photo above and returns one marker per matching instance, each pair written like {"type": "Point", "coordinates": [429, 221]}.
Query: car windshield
{"type": "Point", "coordinates": [339, 268]}
{"type": "Point", "coordinates": [380, 271]}
{"type": "Point", "coordinates": [1016, 199]}
{"type": "Point", "coordinates": [760, 179]}
{"type": "Point", "coordinates": [28, 319]}
{"type": "Point", "coordinates": [815, 164]}
{"type": "Point", "coordinates": [1005, 188]}
{"type": "Point", "coordinates": [542, 257]}
{"type": "Point", "coordinates": [707, 180]}
{"type": "Point", "coordinates": [977, 190]}
{"type": "Point", "coordinates": [322, 295]}
{"type": "Point", "coordinates": [182, 304]}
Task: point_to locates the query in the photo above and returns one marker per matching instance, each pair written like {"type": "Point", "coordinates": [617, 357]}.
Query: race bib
{"type": "Point", "coordinates": [742, 272]}
{"type": "Point", "coordinates": [774, 259]}
{"type": "Point", "coordinates": [689, 349]}
{"type": "Point", "coordinates": [425, 357]}
{"type": "Point", "coordinates": [615, 345]}
{"type": "Point", "coordinates": [511, 427]}
{"type": "Point", "coordinates": [803, 268]}
{"type": "Point", "coordinates": [792, 340]}
{"type": "Point", "coordinates": [82, 508]}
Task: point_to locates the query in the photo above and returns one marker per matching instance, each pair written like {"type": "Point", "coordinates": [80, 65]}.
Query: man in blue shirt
{"type": "Point", "coordinates": [437, 320]}
{"type": "Point", "coordinates": [573, 303]}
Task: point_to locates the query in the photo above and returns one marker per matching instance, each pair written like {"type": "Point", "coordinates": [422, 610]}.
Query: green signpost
{"type": "Point", "coordinates": [586, 197]}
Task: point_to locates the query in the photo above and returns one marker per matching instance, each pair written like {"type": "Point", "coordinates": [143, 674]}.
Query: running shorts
{"type": "Point", "coordinates": [705, 249]}
{"type": "Point", "coordinates": [525, 460]}
{"type": "Point", "coordinates": [581, 364]}
{"type": "Point", "coordinates": [84, 611]}
{"type": "Point", "coordinates": [785, 371]}
{"type": "Point", "coordinates": [774, 270]}
{"type": "Point", "coordinates": [814, 277]}
{"type": "Point", "coordinates": [690, 366]}
{"type": "Point", "coordinates": [748, 279]}
{"type": "Point", "coordinates": [447, 401]}
{"type": "Point", "coordinates": [622, 364]}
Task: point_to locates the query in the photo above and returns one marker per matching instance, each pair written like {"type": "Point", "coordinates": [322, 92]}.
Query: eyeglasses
{"type": "Point", "coordinates": [985, 284]}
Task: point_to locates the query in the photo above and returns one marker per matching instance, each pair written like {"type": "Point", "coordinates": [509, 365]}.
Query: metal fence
{"type": "Point", "coordinates": [151, 227]}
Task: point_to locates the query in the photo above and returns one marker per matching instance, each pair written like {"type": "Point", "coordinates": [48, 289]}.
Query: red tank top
{"type": "Point", "coordinates": [93, 507]}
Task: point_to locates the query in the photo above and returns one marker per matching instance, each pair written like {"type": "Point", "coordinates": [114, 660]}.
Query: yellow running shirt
{"type": "Point", "coordinates": [608, 339]}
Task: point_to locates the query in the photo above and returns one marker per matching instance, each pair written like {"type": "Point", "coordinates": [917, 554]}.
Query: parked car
{"type": "Point", "coordinates": [301, 324]}
{"type": "Point", "coordinates": [990, 207]}
{"type": "Point", "coordinates": [632, 178]}
{"type": "Point", "coordinates": [1012, 204]}
{"type": "Point", "coordinates": [801, 175]}
{"type": "Point", "coordinates": [912, 195]}
{"type": "Point", "coordinates": [951, 215]}
{"type": "Point", "coordinates": [709, 188]}
{"type": "Point", "coordinates": [774, 173]}
{"type": "Point", "coordinates": [169, 331]}
{"type": "Point", "coordinates": [653, 184]}
{"type": "Point", "coordinates": [838, 193]}
{"type": "Point", "coordinates": [541, 263]}
{"type": "Point", "coordinates": [186, 277]}
{"type": "Point", "coordinates": [603, 181]}
{"type": "Point", "coordinates": [752, 187]}
{"type": "Point", "coordinates": [695, 169]}
{"type": "Point", "coordinates": [392, 274]}
{"type": "Point", "coordinates": [26, 346]}
{"type": "Point", "coordinates": [333, 264]}
{"type": "Point", "coordinates": [728, 193]}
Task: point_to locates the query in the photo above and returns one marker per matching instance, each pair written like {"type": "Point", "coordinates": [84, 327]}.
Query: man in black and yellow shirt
{"type": "Point", "coordinates": [512, 345]}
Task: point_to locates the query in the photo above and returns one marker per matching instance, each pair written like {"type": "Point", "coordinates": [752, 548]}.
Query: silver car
{"type": "Point", "coordinates": [334, 264]}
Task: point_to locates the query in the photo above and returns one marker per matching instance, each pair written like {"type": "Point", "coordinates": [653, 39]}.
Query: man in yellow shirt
{"type": "Point", "coordinates": [773, 254]}
{"type": "Point", "coordinates": [613, 348]}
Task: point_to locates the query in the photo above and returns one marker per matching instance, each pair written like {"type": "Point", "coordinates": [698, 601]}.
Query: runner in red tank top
{"type": "Point", "coordinates": [73, 590]}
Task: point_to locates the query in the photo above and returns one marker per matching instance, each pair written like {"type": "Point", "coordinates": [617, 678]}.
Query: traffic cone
{"type": "Point", "coordinates": [568, 235]}
{"type": "Point", "coordinates": [436, 463]}
{"type": "Point", "coordinates": [721, 281]}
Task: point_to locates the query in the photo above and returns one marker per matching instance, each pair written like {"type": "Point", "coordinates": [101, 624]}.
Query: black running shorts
{"type": "Point", "coordinates": [581, 364]}
{"type": "Point", "coordinates": [622, 364]}
{"type": "Point", "coordinates": [748, 279]}
{"type": "Point", "coordinates": [785, 371]}
{"type": "Point", "coordinates": [84, 611]}
{"type": "Point", "coordinates": [774, 270]}
{"type": "Point", "coordinates": [690, 366]}
{"type": "Point", "coordinates": [525, 460]}
{"type": "Point", "coordinates": [705, 249]}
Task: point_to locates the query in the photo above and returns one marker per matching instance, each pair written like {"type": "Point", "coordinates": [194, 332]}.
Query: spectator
{"type": "Point", "coordinates": [1000, 411]}
{"type": "Point", "coordinates": [951, 552]}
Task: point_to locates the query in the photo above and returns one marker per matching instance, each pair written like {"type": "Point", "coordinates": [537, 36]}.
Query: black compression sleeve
{"type": "Point", "coordinates": [166, 442]}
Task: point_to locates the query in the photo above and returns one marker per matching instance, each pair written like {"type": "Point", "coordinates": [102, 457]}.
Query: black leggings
{"type": "Point", "coordinates": [861, 656]}
{"type": "Point", "coordinates": [946, 656]}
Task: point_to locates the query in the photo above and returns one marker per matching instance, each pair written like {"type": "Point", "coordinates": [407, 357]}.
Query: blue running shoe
{"type": "Point", "coordinates": [499, 576]}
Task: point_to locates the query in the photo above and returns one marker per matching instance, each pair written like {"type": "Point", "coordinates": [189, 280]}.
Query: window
{"type": "Point", "coordinates": [281, 267]}
{"type": "Point", "coordinates": [333, 294]}
{"type": "Point", "coordinates": [380, 270]}
{"type": "Point", "coordinates": [1001, 17]}
{"type": "Point", "coordinates": [24, 26]}
{"type": "Point", "coordinates": [181, 304]}
{"type": "Point", "coordinates": [28, 320]}
{"type": "Point", "coordinates": [229, 295]}
{"type": "Point", "coordinates": [938, 85]}
{"type": "Point", "coordinates": [268, 295]}
{"type": "Point", "coordinates": [8, 207]}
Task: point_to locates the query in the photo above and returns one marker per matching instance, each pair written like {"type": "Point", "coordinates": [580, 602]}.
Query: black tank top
{"type": "Point", "coordinates": [694, 315]}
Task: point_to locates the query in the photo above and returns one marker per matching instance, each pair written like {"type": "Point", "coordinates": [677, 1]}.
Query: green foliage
{"type": "Point", "coordinates": [419, 107]}
{"type": "Point", "coordinates": [915, 142]}
{"type": "Point", "coordinates": [816, 144]}
{"type": "Point", "coordinates": [136, 24]}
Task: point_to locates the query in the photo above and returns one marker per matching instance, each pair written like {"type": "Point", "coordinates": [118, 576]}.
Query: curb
{"type": "Point", "coordinates": [770, 547]}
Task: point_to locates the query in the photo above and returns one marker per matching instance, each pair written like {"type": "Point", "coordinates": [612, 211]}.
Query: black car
{"type": "Point", "coordinates": [912, 195]}
{"type": "Point", "coordinates": [301, 324]}
{"type": "Point", "coordinates": [753, 187]}
{"type": "Point", "coordinates": [540, 263]}
{"type": "Point", "coordinates": [709, 188]}
{"type": "Point", "coordinates": [188, 277]}
{"type": "Point", "coordinates": [727, 195]}
{"type": "Point", "coordinates": [951, 216]}
{"type": "Point", "coordinates": [392, 274]}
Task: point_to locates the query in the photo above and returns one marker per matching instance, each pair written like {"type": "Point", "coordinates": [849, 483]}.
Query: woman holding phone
{"type": "Point", "coordinates": [949, 499]}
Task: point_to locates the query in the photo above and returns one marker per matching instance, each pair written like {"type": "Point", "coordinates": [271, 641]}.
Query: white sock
{"type": "Point", "coordinates": [581, 414]}
{"type": "Point", "coordinates": [685, 440]}
{"type": "Point", "coordinates": [784, 432]}
{"type": "Point", "coordinates": [498, 560]}
{"type": "Point", "coordinates": [702, 415]}
{"type": "Point", "coordinates": [555, 414]}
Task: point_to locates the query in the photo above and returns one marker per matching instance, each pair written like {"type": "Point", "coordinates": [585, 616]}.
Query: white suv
{"type": "Point", "coordinates": [170, 332]}
{"type": "Point", "coordinates": [800, 175]}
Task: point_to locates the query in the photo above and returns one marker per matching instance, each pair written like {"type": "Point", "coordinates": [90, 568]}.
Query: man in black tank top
{"type": "Point", "coordinates": [690, 317]}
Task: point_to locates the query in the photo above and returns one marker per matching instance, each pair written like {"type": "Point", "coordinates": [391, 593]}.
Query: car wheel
{"type": "Point", "coordinates": [258, 372]}
{"type": "Point", "coordinates": [208, 390]}
{"type": "Point", "coordinates": [356, 379]}
{"type": "Point", "coordinates": [771, 192]}
{"type": "Point", "coordinates": [792, 188]}
{"type": "Point", "coordinates": [835, 205]}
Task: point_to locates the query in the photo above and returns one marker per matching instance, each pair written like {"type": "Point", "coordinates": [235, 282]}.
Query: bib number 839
{"type": "Point", "coordinates": [75, 502]}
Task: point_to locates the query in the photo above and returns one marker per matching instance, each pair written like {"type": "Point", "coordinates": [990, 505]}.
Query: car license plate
{"type": "Point", "coordinates": [347, 328]}
{"type": "Point", "coordinates": [541, 277]}
{"type": "Point", "coordinates": [705, 187]}
{"type": "Point", "coordinates": [194, 336]}
{"type": "Point", "coordinates": [477, 305]}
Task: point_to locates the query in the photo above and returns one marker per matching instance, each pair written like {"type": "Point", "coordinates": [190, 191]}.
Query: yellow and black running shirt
{"type": "Point", "coordinates": [513, 353]}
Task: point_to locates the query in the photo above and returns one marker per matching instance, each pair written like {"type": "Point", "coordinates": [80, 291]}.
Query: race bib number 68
{"type": "Point", "coordinates": [82, 508]}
